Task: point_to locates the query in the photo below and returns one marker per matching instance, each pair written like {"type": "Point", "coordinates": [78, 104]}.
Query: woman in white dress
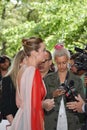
{"type": "Point", "coordinates": [31, 90]}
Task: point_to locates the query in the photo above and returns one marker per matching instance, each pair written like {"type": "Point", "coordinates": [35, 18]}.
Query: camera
{"type": "Point", "coordinates": [81, 60]}
{"type": "Point", "coordinates": [70, 91]}
{"type": "Point", "coordinates": [2, 59]}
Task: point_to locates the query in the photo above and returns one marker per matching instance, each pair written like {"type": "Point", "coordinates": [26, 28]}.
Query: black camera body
{"type": "Point", "coordinates": [70, 91]}
{"type": "Point", "coordinates": [81, 60]}
{"type": "Point", "coordinates": [70, 94]}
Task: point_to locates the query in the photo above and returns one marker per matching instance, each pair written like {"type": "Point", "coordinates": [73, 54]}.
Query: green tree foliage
{"type": "Point", "coordinates": [53, 20]}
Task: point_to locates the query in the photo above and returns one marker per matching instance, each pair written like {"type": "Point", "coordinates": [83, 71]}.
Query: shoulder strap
{"type": "Point", "coordinates": [66, 80]}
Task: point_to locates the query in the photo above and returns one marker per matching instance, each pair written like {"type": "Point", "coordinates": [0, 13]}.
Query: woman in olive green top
{"type": "Point", "coordinates": [70, 84]}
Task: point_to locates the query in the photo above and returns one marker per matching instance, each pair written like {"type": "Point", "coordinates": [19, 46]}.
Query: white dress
{"type": "Point", "coordinates": [23, 118]}
{"type": "Point", "coordinates": [3, 124]}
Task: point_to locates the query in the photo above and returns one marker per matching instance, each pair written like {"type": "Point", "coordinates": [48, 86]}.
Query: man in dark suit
{"type": "Point", "coordinates": [80, 105]}
{"type": "Point", "coordinates": [5, 63]}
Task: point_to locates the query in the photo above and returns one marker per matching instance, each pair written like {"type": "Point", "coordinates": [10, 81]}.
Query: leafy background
{"type": "Point", "coordinates": [53, 20]}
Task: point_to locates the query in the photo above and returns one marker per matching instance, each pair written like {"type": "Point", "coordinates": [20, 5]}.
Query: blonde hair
{"type": "Point", "coordinates": [16, 66]}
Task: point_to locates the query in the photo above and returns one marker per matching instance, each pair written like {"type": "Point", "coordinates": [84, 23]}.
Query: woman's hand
{"type": "Point", "coordinates": [48, 104]}
{"type": "Point", "coordinates": [58, 92]}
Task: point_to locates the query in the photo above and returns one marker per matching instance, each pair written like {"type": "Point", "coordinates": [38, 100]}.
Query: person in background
{"type": "Point", "coordinates": [31, 90]}
{"type": "Point", "coordinates": [5, 63]}
{"type": "Point", "coordinates": [77, 69]}
{"type": "Point", "coordinates": [8, 106]}
{"type": "Point", "coordinates": [73, 67]}
{"type": "Point", "coordinates": [45, 66]}
{"type": "Point", "coordinates": [71, 52]}
{"type": "Point", "coordinates": [62, 84]}
{"type": "Point", "coordinates": [85, 80]}
{"type": "Point", "coordinates": [80, 105]}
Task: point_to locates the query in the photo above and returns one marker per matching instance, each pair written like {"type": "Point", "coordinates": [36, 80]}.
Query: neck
{"type": "Point", "coordinates": [62, 76]}
{"type": "Point", "coordinates": [44, 74]}
{"type": "Point", "coordinates": [3, 73]}
{"type": "Point", "coordinates": [32, 62]}
{"type": "Point", "coordinates": [62, 73]}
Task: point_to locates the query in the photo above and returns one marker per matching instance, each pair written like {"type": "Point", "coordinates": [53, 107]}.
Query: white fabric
{"type": "Point", "coordinates": [62, 119]}
{"type": "Point", "coordinates": [3, 124]}
{"type": "Point", "coordinates": [22, 120]}
{"type": "Point", "coordinates": [8, 127]}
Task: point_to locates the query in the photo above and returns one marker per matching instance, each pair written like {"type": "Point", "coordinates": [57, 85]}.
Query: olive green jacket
{"type": "Point", "coordinates": [52, 83]}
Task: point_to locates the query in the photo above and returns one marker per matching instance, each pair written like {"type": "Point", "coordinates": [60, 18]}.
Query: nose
{"type": "Point", "coordinates": [61, 65]}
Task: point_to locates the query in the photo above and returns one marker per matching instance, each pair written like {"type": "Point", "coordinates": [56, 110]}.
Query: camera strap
{"type": "Point", "coordinates": [65, 84]}
{"type": "Point", "coordinates": [66, 79]}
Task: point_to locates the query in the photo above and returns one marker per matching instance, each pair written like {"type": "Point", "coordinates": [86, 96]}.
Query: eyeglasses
{"type": "Point", "coordinates": [46, 60]}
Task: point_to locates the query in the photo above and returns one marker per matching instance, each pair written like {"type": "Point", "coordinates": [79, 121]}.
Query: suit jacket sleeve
{"type": "Point", "coordinates": [8, 97]}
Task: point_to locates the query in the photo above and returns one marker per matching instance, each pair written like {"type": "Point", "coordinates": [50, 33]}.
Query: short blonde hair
{"type": "Point", "coordinates": [61, 52]}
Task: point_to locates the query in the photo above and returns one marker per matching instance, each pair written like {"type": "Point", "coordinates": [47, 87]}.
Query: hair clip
{"type": "Point", "coordinates": [58, 46]}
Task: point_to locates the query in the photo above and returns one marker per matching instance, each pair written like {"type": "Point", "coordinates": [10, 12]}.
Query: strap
{"type": "Point", "coordinates": [66, 79]}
